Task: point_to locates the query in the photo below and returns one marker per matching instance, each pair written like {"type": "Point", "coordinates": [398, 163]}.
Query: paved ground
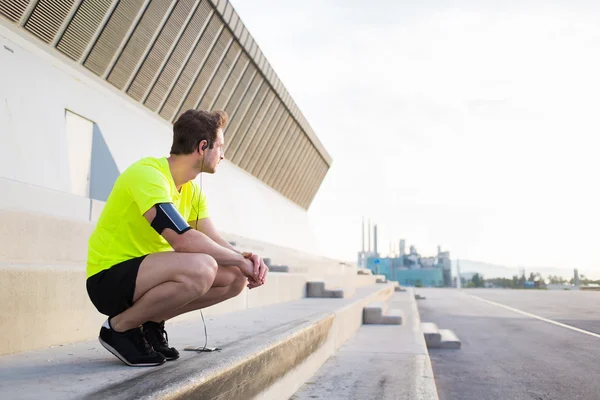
{"type": "Point", "coordinates": [507, 355]}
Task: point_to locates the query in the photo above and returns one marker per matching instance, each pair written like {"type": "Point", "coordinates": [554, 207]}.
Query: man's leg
{"type": "Point", "coordinates": [228, 283]}
{"type": "Point", "coordinates": [165, 282]}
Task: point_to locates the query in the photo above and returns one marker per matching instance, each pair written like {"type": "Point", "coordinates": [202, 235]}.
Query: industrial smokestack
{"type": "Point", "coordinates": [375, 239]}
{"type": "Point", "coordinates": [402, 248]}
{"type": "Point", "coordinates": [576, 277]}
{"type": "Point", "coordinates": [369, 233]}
{"type": "Point", "coordinates": [363, 234]}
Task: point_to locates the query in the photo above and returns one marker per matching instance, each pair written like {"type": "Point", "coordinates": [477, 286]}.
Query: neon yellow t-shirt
{"type": "Point", "coordinates": [122, 231]}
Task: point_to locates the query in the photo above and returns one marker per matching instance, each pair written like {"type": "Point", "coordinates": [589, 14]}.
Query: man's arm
{"type": "Point", "coordinates": [206, 226]}
{"type": "Point", "coordinates": [193, 241]}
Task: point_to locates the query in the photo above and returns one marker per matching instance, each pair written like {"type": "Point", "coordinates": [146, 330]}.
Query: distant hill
{"type": "Point", "coordinates": [468, 268]}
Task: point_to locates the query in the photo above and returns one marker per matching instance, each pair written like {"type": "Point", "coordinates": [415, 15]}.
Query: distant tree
{"type": "Point", "coordinates": [477, 280]}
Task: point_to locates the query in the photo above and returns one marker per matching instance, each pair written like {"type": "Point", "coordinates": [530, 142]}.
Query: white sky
{"type": "Point", "coordinates": [470, 124]}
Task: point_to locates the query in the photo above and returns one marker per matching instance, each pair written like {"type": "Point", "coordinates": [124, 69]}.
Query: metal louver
{"type": "Point", "coordinates": [13, 9]}
{"type": "Point", "coordinates": [82, 27]}
{"type": "Point", "coordinates": [112, 35]}
{"type": "Point", "coordinates": [138, 43]}
{"type": "Point", "coordinates": [178, 58]}
{"type": "Point", "coordinates": [160, 49]}
{"type": "Point", "coordinates": [47, 18]}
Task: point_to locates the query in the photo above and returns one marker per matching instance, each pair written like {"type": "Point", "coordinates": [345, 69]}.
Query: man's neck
{"type": "Point", "coordinates": [180, 167]}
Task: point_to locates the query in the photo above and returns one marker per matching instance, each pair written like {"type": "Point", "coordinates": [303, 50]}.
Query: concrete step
{"type": "Point", "coordinates": [379, 363]}
{"type": "Point", "coordinates": [378, 313]}
{"type": "Point", "coordinates": [266, 352]}
{"type": "Point", "coordinates": [53, 299]}
{"type": "Point", "coordinates": [449, 340]}
{"type": "Point", "coordinates": [319, 290]}
{"type": "Point", "coordinates": [432, 334]}
{"type": "Point", "coordinates": [279, 268]}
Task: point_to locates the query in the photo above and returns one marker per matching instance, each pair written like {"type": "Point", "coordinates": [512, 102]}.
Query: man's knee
{"type": "Point", "coordinates": [199, 276]}
{"type": "Point", "coordinates": [238, 284]}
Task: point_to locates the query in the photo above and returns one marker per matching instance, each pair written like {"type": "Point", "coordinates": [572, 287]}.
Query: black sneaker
{"type": "Point", "coordinates": [157, 337]}
{"type": "Point", "coordinates": [130, 347]}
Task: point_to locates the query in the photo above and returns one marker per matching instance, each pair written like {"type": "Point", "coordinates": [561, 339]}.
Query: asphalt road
{"type": "Point", "coordinates": [507, 355]}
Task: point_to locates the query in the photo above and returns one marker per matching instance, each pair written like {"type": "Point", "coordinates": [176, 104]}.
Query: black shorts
{"type": "Point", "coordinates": [111, 291]}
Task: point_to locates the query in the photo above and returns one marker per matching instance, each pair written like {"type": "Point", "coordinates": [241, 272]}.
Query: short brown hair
{"type": "Point", "coordinates": [194, 126]}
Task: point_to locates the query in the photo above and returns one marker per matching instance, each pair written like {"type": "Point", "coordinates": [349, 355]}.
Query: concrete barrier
{"type": "Point", "coordinates": [432, 334]}
{"type": "Point", "coordinates": [378, 313]}
{"type": "Point", "coordinates": [318, 290]}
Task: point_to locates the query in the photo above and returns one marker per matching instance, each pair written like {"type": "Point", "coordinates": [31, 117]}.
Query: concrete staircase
{"type": "Point", "coordinates": [273, 338]}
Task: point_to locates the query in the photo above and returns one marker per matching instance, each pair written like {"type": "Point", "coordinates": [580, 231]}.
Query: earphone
{"type": "Point", "coordinates": [197, 210]}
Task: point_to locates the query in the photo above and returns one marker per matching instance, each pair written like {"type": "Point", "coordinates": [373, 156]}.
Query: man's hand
{"type": "Point", "coordinates": [254, 269]}
{"type": "Point", "coordinates": [260, 268]}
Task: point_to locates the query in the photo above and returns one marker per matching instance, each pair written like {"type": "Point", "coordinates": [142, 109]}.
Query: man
{"type": "Point", "coordinates": [155, 253]}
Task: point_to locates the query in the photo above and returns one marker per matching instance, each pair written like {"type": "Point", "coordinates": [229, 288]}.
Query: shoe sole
{"type": "Point", "coordinates": [120, 357]}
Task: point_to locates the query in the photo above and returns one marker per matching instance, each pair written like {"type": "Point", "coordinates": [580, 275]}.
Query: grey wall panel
{"type": "Point", "coordinates": [305, 173]}
{"type": "Point", "coordinates": [207, 72]}
{"type": "Point", "coordinates": [236, 136]}
{"type": "Point", "coordinates": [179, 57]}
{"type": "Point", "coordinates": [192, 68]}
{"type": "Point", "coordinates": [220, 77]}
{"type": "Point", "coordinates": [256, 145]}
{"type": "Point", "coordinates": [161, 49]}
{"type": "Point", "coordinates": [139, 43]}
{"type": "Point", "coordinates": [282, 158]}
{"type": "Point", "coordinates": [115, 32]}
{"type": "Point", "coordinates": [47, 18]}
{"type": "Point", "coordinates": [238, 115]}
{"type": "Point", "coordinates": [232, 103]}
{"type": "Point", "coordinates": [274, 150]}
{"type": "Point", "coordinates": [259, 152]}
{"type": "Point", "coordinates": [231, 83]}
{"type": "Point", "coordinates": [253, 128]}
{"type": "Point", "coordinates": [83, 27]}
{"type": "Point", "coordinates": [316, 185]}
{"type": "Point", "coordinates": [296, 168]}
{"type": "Point", "coordinates": [13, 9]}
{"type": "Point", "coordinates": [291, 164]}
{"type": "Point", "coordinates": [322, 169]}
{"type": "Point", "coordinates": [306, 189]}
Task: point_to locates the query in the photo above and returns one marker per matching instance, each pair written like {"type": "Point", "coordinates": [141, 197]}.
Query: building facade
{"type": "Point", "coordinates": [90, 86]}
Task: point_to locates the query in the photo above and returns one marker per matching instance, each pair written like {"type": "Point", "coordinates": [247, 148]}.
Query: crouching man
{"type": "Point", "coordinates": [155, 253]}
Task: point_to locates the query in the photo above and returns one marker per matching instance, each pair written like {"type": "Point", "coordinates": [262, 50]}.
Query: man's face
{"type": "Point", "coordinates": [212, 157]}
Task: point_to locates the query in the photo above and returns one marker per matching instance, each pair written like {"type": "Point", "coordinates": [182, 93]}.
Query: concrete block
{"type": "Point", "coordinates": [279, 268]}
{"type": "Point", "coordinates": [280, 287]}
{"type": "Point", "coordinates": [449, 340]}
{"type": "Point", "coordinates": [28, 238]}
{"type": "Point", "coordinates": [432, 334]}
{"type": "Point", "coordinates": [317, 289]}
{"type": "Point", "coordinates": [377, 313]}
{"type": "Point", "coordinates": [44, 306]}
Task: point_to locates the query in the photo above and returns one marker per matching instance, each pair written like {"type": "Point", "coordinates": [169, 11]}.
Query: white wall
{"type": "Point", "coordinates": [37, 84]}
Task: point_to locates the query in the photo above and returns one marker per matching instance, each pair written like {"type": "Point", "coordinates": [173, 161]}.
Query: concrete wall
{"type": "Point", "coordinates": [35, 90]}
